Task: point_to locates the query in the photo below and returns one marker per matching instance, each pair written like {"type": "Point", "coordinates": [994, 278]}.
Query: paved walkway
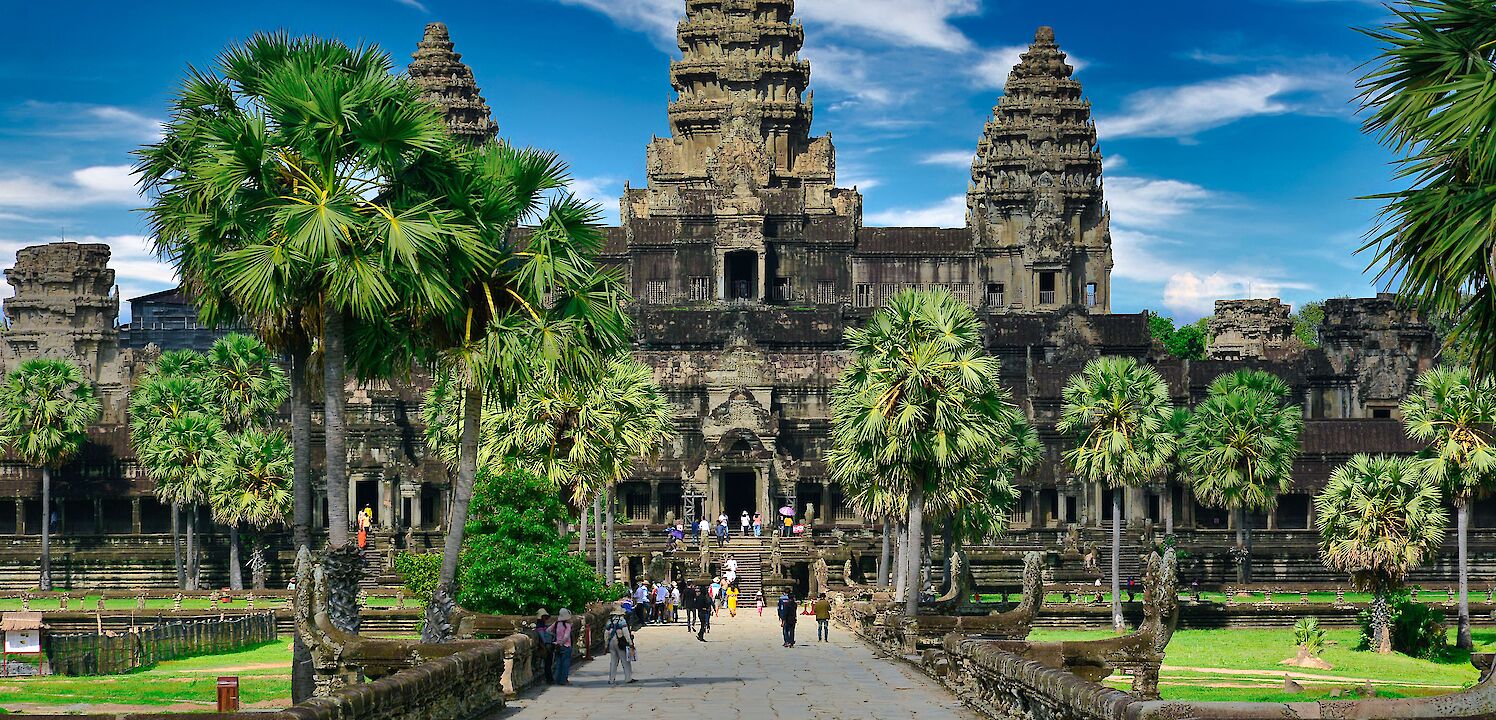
{"type": "Point", "coordinates": [742, 671]}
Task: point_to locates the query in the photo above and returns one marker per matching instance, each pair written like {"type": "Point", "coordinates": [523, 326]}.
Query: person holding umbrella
{"type": "Point", "coordinates": [787, 515]}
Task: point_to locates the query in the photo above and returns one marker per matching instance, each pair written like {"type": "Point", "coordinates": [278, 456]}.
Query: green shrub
{"type": "Point", "coordinates": [515, 560]}
{"type": "Point", "coordinates": [1416, 629]}
{"type": "Point", "coordinates": [1309, 635]}
{"type": "Point", "coordinates": [418, 572]}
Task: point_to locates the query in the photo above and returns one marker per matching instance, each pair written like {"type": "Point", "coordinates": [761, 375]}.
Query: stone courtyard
{"type": "Point", "coordinates": [743, 672]}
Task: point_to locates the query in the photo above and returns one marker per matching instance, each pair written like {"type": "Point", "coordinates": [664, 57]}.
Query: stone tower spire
{"type": "Point", "coordinates": [1036, 182]}
{"type": "Point", "coordinates": [448, 82]}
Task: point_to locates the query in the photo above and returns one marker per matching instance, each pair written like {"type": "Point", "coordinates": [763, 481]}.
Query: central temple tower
{"type": "Point", "coordinates": [732, 190]}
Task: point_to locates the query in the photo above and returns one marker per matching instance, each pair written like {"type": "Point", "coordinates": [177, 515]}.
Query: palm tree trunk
{"type": "Point", "coordinates": [915, 537]}
{"type": "Point", "coordinates": [1381, 620]}
{"type": "Point", "coordinates": [236, 573]}
{"type": "Point", "coordinates": [1117, 559]}
{"type": "Point", "coordinates": [176, 544]}
{"type": "Point", "coordinates": [462, 494]}
{"type": "Point", "coordinates": [901, 577]}
{"type": "Point", "coordinates": [191, 546]}
{"type": "Point", "coordinates": [1462, 515]}
{"type": "Point", "coordinates": [883, 557]}
{"type": "Point", "coordinates": [597, 540]}
{"type": "Point", "coordinates": [611, 571]}
{"type": "Point", "coordinates": [44, 582]}
{"type": "Point", "coordinates": [1241, 544]}
{"type": "Point", "coordinates": [334, 426]}
{"type": "Point", "coordinates": [301, 446]}
{"type": "Point", "coordinates": [582, 531]}
{"type": "Point", "coordinates": [303, 676]}
{"type": "Point", "coordinates": [257, 563]}
{"type": "Point", "coordinates": [1168, 509]}
{"type": "Point", "coordinates": [1246, 558]}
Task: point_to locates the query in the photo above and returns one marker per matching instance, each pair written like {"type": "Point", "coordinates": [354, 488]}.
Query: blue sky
{"type": "Point", "coordinates": [1233, 153]}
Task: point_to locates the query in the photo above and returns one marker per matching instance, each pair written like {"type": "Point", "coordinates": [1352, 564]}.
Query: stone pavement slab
{"type": "Point", "coordinates": [742, 671]}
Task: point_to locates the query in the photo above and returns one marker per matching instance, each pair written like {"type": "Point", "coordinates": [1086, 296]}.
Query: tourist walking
{"type": "Point", "coordinates": [743, 524]}
{"type": "Point", "coordinates": [732, 600]}
{"type": "Point", "coordinates": [716, 592]}
{"type": "Point", "coordinates": [672, 605]}
{"type": "Point", "coordinates": [661, 595]}
{"type": "Point", "coordinates": [788, 610]}
{"type": "Point", "coordinates": [703, 611]}
{"type": "Point", "coordinates": [620, 644]}
{"type": "Point", "coordinates": [688, 603]}
{"type": "Point", "coordinates": [365, 521]}
{"type": "Point", "coordinates": [760, 602]}
{"type": "Point", "coordinates": [641, 603]}
{"type": "Point", "coordinates": [758, 525]}
{"type": "Point", "coordinates": [823, 618]}
{"type": "Point", "coordinates": [722, 532]}
{"type": "Point", "coordinates": [547, 642]}
{"type": "Point", "coordinates": [704, 530]}
{"type": "Point", "coordinates": [563, 629]}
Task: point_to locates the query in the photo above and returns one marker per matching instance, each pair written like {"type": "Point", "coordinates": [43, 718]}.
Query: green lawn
{"type": "Point", "coordinates": [1242, 665]}
{"type": "Point", "coordinates": [264, 675]}
{"type": "Point", "coordinates": [1054, 598]}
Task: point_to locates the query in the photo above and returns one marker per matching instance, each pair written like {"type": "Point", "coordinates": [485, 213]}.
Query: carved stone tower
{"type": "Point", "coordinates": [740, 171]}
{"type": "Point", "coordinates": [1035, 204]}
{"type": "Point", "coordinates": [449, 83]}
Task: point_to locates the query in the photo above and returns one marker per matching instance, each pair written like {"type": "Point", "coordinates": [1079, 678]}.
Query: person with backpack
{"type": "Point", "coordinates": [543, 628]}
{"type": "Point", "coordinates": [620, 644]}
{"type": "Point", "coordinates": [563, 629]}
{"type": "Point", "coordinates": [688, 603]}
{"type": "Point", "coordinates": [788, 610]}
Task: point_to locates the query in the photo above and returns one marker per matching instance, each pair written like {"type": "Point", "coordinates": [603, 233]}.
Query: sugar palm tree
{"type": "Point", "coordinates": [1427, 97]}
{"type": "Point", "coordinates": [1453, 410]}
{"type": "Point", "coordinates": [1379, 517]}
{"type": "Point", "coordinates": [293, 188]}
{"type": "Point", "coordinates": [922, 408]}
{"type": "Point", "coordinates": [172, 387]}
{"type": "Point", "coordinates": [1239, 448]}
{"type": "Point", "coordinates": [183, 458]}
{"type": "Point", "coordinates": [46, 407]}
{"type": "Point", "coordinates": [247, 388]}
{"type": "Point", "coordinates": [1118, 411]}
{"type": "Point", "coordinates": [252, 484]}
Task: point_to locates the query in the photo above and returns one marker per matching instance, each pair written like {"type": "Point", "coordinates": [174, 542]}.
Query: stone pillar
{"type": "Point", "coordinates": [353, 507]}
{"type": "Point", "coordinates": [828, 513]}
{"type": "Point", "coordinates": [384, 511]}
{"type": "Point", "coordinates": [98, 518]}
{"type": "Point", "coordinates": [20, 516]}
{"type": "Point", "coordinates": [654, 500]}
{"type": "Point", "coordinates": [766, 507]}
{"type": "Point", "coordinates": [135, 526]}
{"type": "Point", "coordinates": [415, 507]}
{"type": "Point", "coordinates": [1272, 518]}
{"type": "Point", "coordinates": [1036, 512]}
{"type": "Point", "coordinates": [1136, 501]}
{"type": "Point", "coordinates": [713, 506]}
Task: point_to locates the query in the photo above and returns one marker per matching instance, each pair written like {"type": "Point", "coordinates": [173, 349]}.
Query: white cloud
{"type": "Point", "coordinates": [1143, 203]}
{"type": "Point", "coordinates": [948, 213]}
{"type": "Point", "coordinates": [413, 4]}
{"type": "Point", "coordinates": [98, 185]}
{"type": "Point", "coordinates": [1193, 296]}
{"type": "Point", "coordinates": [846, 70]}
{"type": "Point", "coordinates": [1113, 163]}
{"type": "Point", "coordinates": [605, 191]}
{"type": "Point", "coordinates": [909, 23]}
{"type": "Point", "coordinates": [1181, 112]}
{"type": "Point", "coordinates": [950, 158]}
{"type": "Point", "coordinates": [84, 121]}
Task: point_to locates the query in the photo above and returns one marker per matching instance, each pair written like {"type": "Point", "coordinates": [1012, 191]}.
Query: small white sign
{"type": "Point", "coordinates": [23, 641]}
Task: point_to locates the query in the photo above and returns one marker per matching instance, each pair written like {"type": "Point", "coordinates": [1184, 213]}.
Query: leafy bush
{"type": "Point", "coordinates": [1309, 635]}
{"type": "Point", "coordinates": [418, 572]}
{"type": "Point", "coordinates": [515, 559]}
{"type": "Point", "coordinates": [1416, 629]}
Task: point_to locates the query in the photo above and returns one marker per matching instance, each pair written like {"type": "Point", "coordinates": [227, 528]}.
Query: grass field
{"type": "Point", "coordinates": [1054, 598]}
{"type": "Point", "coordinates": [1242, 665]}
{"type": "Point", "coordinates": [264, 677]}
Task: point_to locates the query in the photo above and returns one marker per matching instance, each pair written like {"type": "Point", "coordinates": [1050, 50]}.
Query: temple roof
{"type": "Point", "coordinates": [448, 82]}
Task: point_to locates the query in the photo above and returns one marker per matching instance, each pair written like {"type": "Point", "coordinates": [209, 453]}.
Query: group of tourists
{"type": "Point", "coordinates": [721, 532]}
{"type": "Point", "coordinates": [789, 612]}
{"type": "Point", "coordinates": [657, 603]}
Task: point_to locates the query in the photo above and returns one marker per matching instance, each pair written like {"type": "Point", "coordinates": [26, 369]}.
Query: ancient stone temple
{"type": "Point", "coordinates": [747, 265]}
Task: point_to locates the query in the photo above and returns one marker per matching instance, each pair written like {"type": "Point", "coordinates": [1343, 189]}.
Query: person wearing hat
{"type": "Point", "coordinates": [547, 632]}
{"type": "Point", "coordinates": [563, 631]}
{"type": "Point", "coordinates": [620, 644]}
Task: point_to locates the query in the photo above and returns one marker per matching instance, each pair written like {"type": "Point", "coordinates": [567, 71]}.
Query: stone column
{"type": "Point", "coordinates": [1272, 518]}
{"type": "Point", "coordinates": [353, 507]}
{"type": "Point", "coordinates": [1136, 502]}
{"type": "Point", "coordinates": [654, 500]}
{"type": "Point", "coordinates": [135, 526]}
{"type": "Point", "coordinates": [1036, 511]}
{"type": "Point", "coordinates": [766, 507]}
{"type": "Point", "coordinates": [20, 516]}
{"type": "Point", "coordinates": [415, 507]}
{"type": "Point", "coordinates": [827, 512]}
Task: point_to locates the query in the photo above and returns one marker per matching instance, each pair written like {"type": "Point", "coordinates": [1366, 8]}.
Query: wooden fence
{"type": "Point", "coordinates": [115, 653]}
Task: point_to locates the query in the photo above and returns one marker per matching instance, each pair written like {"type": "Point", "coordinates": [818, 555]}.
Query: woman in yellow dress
{"type": "Point", "coordinates": [732, 600]}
